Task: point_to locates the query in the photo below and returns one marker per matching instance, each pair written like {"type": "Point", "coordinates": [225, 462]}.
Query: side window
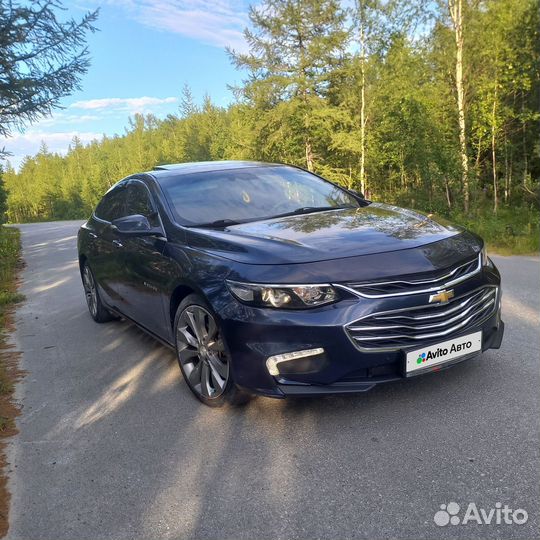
{"type": "Point", "coordinates": [138, 202]}
{"type": "Point", "coordinates": [112, 205]}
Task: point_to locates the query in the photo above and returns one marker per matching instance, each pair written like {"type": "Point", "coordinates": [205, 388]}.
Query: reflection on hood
{"type": "Point", "coordinates": [348, 232]}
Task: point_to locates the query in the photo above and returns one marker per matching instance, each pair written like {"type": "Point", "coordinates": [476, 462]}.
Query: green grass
{"type": "Point", "coordinates": [10, 249]}
{"type": "Point", "coordinates": [512, 231]}
{"type": "Point", "coordinates": [8, 297]}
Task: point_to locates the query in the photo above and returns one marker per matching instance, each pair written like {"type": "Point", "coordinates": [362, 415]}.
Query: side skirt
{"type": "Point", "coordinates": [143, 328]}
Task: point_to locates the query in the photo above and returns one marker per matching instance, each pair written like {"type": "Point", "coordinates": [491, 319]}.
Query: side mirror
{"type": "Point", "coordinates": [136, 225]}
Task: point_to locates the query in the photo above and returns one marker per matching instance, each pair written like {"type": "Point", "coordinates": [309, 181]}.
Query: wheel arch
{"type": "Point", "coordinates": [184, 289]}
{"type": "Point", "coordinates": [82, 261]}
{"type": "Point", "coordinates": [180, 292]}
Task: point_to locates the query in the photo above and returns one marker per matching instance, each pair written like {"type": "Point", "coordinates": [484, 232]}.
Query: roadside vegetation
{"type": "Point", "coordinates": [428, 105]}
{"type": "Point", "coordinates": [509, 232]}
{"type": "Point", "coordinates": [42, 59]}
{"type": "Point", "coordinates": [10, 262]}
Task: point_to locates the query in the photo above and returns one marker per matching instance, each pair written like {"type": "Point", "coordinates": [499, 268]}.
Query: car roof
{"type": "Point", "coordinates": [177, 169]}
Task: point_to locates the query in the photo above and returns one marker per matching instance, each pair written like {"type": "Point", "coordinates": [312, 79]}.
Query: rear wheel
{"type": "Point", "coordinates": [203, 356]}
{"type": "Point", "coordinates": [96, 308]}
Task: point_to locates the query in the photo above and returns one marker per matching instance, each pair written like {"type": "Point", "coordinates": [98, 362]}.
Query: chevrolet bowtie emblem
{"type": "Point", "coordinates": [442, 296]}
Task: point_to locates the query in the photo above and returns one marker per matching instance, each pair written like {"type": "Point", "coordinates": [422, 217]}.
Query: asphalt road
{"type": "Point", "coordinates": [113, 445]}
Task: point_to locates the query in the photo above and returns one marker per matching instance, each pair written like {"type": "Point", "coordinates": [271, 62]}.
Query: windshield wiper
{"type": "Point", "coordinates": [223, 223]}
{"type": "Point", "coordinates": [311, 209]}
{"type": "Point", "coordinates": [218, 224]}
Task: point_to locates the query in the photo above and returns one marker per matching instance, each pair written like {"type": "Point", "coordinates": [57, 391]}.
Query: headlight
{"type": "Point", "coordinates": [283, 296]}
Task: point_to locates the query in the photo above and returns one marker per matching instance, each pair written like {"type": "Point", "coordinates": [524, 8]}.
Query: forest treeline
{"type": "Point", "coordinates": [430, 105]}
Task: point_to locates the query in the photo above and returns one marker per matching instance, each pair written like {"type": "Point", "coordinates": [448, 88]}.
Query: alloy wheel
{"type": "Point", "coordinates": [201, 352]}
{"type": "Point", "coordinates": [90, 291]}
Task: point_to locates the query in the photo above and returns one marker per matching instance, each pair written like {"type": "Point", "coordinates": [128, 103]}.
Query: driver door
{"type": "Point", "coordinates": [145, 267]}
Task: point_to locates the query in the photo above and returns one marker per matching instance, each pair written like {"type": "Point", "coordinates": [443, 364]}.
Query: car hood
{"type": "Point", "coordinates": [322, 236]}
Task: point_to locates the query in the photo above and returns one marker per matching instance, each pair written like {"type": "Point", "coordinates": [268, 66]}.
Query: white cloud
{"type": "Point", "coordinates": [70, 119]}
{"type": "Point", "coordinates": [139, 104]}
{"type": "Point", "coordinates": [215, 22]}
{"type": "Point", "coordinates": [82, 119]}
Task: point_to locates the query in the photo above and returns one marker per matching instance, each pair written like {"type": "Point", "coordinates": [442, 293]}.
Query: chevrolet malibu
{"type": "Point", "coordinates": [267, 279]}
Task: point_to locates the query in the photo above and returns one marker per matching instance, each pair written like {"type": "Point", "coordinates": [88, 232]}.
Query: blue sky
{"type": "Point", "coordinates": [144, 53]}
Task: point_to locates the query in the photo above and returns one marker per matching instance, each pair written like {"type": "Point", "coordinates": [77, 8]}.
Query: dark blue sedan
{"type": "Point", "coordinates": [268, 279]}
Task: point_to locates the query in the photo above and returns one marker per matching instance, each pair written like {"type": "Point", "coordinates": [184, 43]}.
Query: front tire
{"type": "Point", "coordinates": [203, 355]}
{"type": "Point", "coordinates": [97, 310]}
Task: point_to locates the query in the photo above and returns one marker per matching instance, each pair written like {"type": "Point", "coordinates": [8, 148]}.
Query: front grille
{"type": "Point", "coordinates": [400, 328]}
{"type": "Point", "coordinates": [433, 282]}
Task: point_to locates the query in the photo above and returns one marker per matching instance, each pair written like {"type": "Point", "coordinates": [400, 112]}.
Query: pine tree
{"type": "Point", "coordinates": [42, 59]}
{"type": "Point", "coordinates": [293, 47]}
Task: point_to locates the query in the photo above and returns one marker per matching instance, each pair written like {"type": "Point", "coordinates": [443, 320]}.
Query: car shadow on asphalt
{"type": "Point", "coordinates": [257, 457]}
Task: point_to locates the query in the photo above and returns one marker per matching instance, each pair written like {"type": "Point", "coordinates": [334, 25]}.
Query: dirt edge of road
{"type": "Point", "coordinates": [10, 268]}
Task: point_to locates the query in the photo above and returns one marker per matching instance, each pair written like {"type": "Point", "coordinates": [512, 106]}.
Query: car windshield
{"type": "Point", "coordinates": [250, 194]}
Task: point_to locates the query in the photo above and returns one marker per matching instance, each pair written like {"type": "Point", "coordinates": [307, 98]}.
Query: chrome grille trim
{"type": "Point", "coordinates": [426, 326]}
{"type": "Point", "coordinates": [471, 308]}
{"type": "Point", "coordinates": [440, 280]}
{"type": "Point", "coordinates": [427, 336]}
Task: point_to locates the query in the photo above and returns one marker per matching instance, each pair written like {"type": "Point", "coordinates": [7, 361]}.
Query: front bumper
{"type": "Point", "coordinates": [493, 340]}
{"type": "Point", "coordinates": [254, 334]}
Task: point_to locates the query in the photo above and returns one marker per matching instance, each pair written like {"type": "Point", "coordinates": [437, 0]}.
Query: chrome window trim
{"type": "Point", "coordinates": [439, 287]}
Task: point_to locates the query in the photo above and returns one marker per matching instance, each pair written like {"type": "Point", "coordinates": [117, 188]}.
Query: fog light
{"type": "Point", "coordinates": [273, 361]}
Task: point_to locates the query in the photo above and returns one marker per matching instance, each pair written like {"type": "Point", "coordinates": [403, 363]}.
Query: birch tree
{"type": "Point", "coordinates": [455, 8]}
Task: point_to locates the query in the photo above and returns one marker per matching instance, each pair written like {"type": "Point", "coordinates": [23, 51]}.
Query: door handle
{"type": "Point", "coordinates": [92, 235]}
{"type": "Point", "coordinates": [118, 244]}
